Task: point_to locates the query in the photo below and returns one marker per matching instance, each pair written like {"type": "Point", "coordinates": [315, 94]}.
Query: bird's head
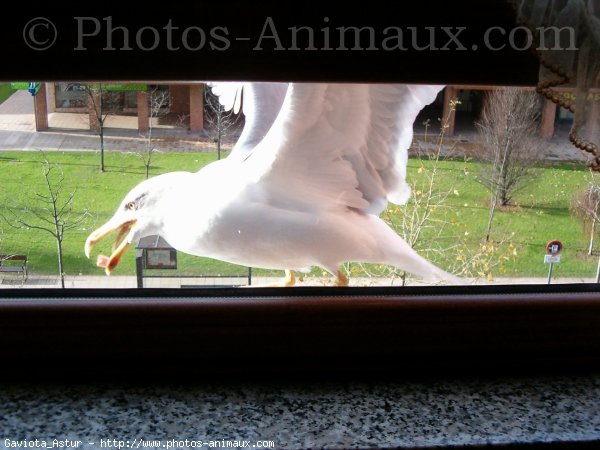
{"type": "Point", "coordinates": [140, 214]}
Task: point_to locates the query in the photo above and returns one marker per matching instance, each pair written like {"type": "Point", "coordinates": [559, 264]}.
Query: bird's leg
{"type": "Point", "coordinates": [341, 280]}
{"type": "Point", "coordinates": [288, 281]}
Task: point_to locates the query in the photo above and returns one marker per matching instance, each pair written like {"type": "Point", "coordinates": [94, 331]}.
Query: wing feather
{"type": "Point", "coordinates": [260, 103]}
{"type": "Point", "coordinates": [229, 94]}
{"type": "Point", "coordinates": [394, 109]}
{"type": "Point", "coordinates": [339, 145]}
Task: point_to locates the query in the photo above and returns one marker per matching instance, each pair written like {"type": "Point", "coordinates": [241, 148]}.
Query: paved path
{"type": "Point", "coordinates": [109, 282]}
{"type": "Point", "coordinates": [70, 131]}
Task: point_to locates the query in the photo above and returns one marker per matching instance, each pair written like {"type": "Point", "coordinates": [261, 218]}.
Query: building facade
{"type": "Point", "coordinates": [186, 100]}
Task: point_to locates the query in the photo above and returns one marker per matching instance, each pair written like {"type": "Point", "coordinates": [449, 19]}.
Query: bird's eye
{"type": "Point", "coordinates": [130, 206]}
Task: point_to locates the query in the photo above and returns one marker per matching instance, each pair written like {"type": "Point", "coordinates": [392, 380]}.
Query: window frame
{"type": "Point", "coordinates": [302, 333]}
{"type": "Point", "coordinates": [299, 333]}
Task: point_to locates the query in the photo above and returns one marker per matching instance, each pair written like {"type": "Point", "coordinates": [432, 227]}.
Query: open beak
{"type": "Point", "coordinates": [119, 246]}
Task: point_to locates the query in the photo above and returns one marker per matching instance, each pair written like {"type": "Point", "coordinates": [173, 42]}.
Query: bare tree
{"type": "Point", "coordinates": [510, 146]}
{"type": "Point", "coordinates": [585, 205]}
{"type": "Point", "coordinates": [417, 218]}
{"type": "Point", "coordinates": [3, 256]}
{"type": "Point", "coordinates": [425, 222]}
{"type": "Point", "coordinates": [102, 103]}
{"type": "Point", "coordinates": [49, 211]}
{"type": "Point", "coordinates": [220, 124]}
{"type": "Point", "coordinates": [159, 101]}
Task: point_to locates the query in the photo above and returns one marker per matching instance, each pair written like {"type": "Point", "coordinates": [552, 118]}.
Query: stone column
{"type": "Point", "coordinates": [95, 103]}
{"type": "Point", "coordinates": [196, 107]}
{"type": "Point", "coordinates": [143, 111]}
{"type": "Point", "coordinates": [40, 106]}
{"type": "Point", "coordinates": [548, 117]}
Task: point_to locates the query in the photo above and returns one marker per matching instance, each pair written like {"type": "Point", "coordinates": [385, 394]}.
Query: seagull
{"type": "Point", "coordinates": [315, 165]}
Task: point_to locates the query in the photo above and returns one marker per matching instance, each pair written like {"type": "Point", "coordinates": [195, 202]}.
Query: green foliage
{"type": "Point", "coordinates": [5, 91]}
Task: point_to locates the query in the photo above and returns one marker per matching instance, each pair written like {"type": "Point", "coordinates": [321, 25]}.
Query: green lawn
{"type": "Point", "coordinates": [539, 214]}
{"type": "Point", "coordinates": [5, 91]}
{"type": "Point", "coordinates": [100, 193]}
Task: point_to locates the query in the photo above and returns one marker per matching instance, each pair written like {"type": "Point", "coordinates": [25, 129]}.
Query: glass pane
{"type": "Point", "coordinates": [69, 95]}
{"type": "Point", "coordinates": [490, 182]}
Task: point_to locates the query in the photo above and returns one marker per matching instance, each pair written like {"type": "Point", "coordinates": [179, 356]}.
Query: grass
{"type": "Point", "coordinates": [100, 193]}
{"type": "Point", "coordinates": [539, 213]}
{"type": "Point", "coordinates": [5, 91]}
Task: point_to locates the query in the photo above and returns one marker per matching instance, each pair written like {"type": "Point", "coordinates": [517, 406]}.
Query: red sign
{"type": "Point", "coordinates": [554, 247]}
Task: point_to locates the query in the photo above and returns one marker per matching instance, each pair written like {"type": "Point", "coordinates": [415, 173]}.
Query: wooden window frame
{"type": "Point", "coordinates": [303, 333]}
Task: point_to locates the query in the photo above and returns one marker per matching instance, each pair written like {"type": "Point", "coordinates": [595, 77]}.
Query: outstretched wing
{"type": "Point", "coordinates": [338, 145]}
{"type": "Point", "coordinates": [260, 103]}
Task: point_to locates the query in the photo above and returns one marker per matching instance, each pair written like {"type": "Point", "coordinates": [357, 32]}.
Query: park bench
{"type": "Point", "coordinates": [14, 264]}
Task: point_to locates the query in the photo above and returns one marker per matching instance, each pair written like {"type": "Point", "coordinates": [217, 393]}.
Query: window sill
{"type": "Point", "coordinates": [301, 333]}
{"type": "Point", "coordinates": [554, 412]}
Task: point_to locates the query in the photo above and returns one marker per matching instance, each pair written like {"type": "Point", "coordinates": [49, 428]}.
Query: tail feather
{"type": "Point", "coordinates": [397, 252]}
{"type": "Point", "coordinates": [409, 260]}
